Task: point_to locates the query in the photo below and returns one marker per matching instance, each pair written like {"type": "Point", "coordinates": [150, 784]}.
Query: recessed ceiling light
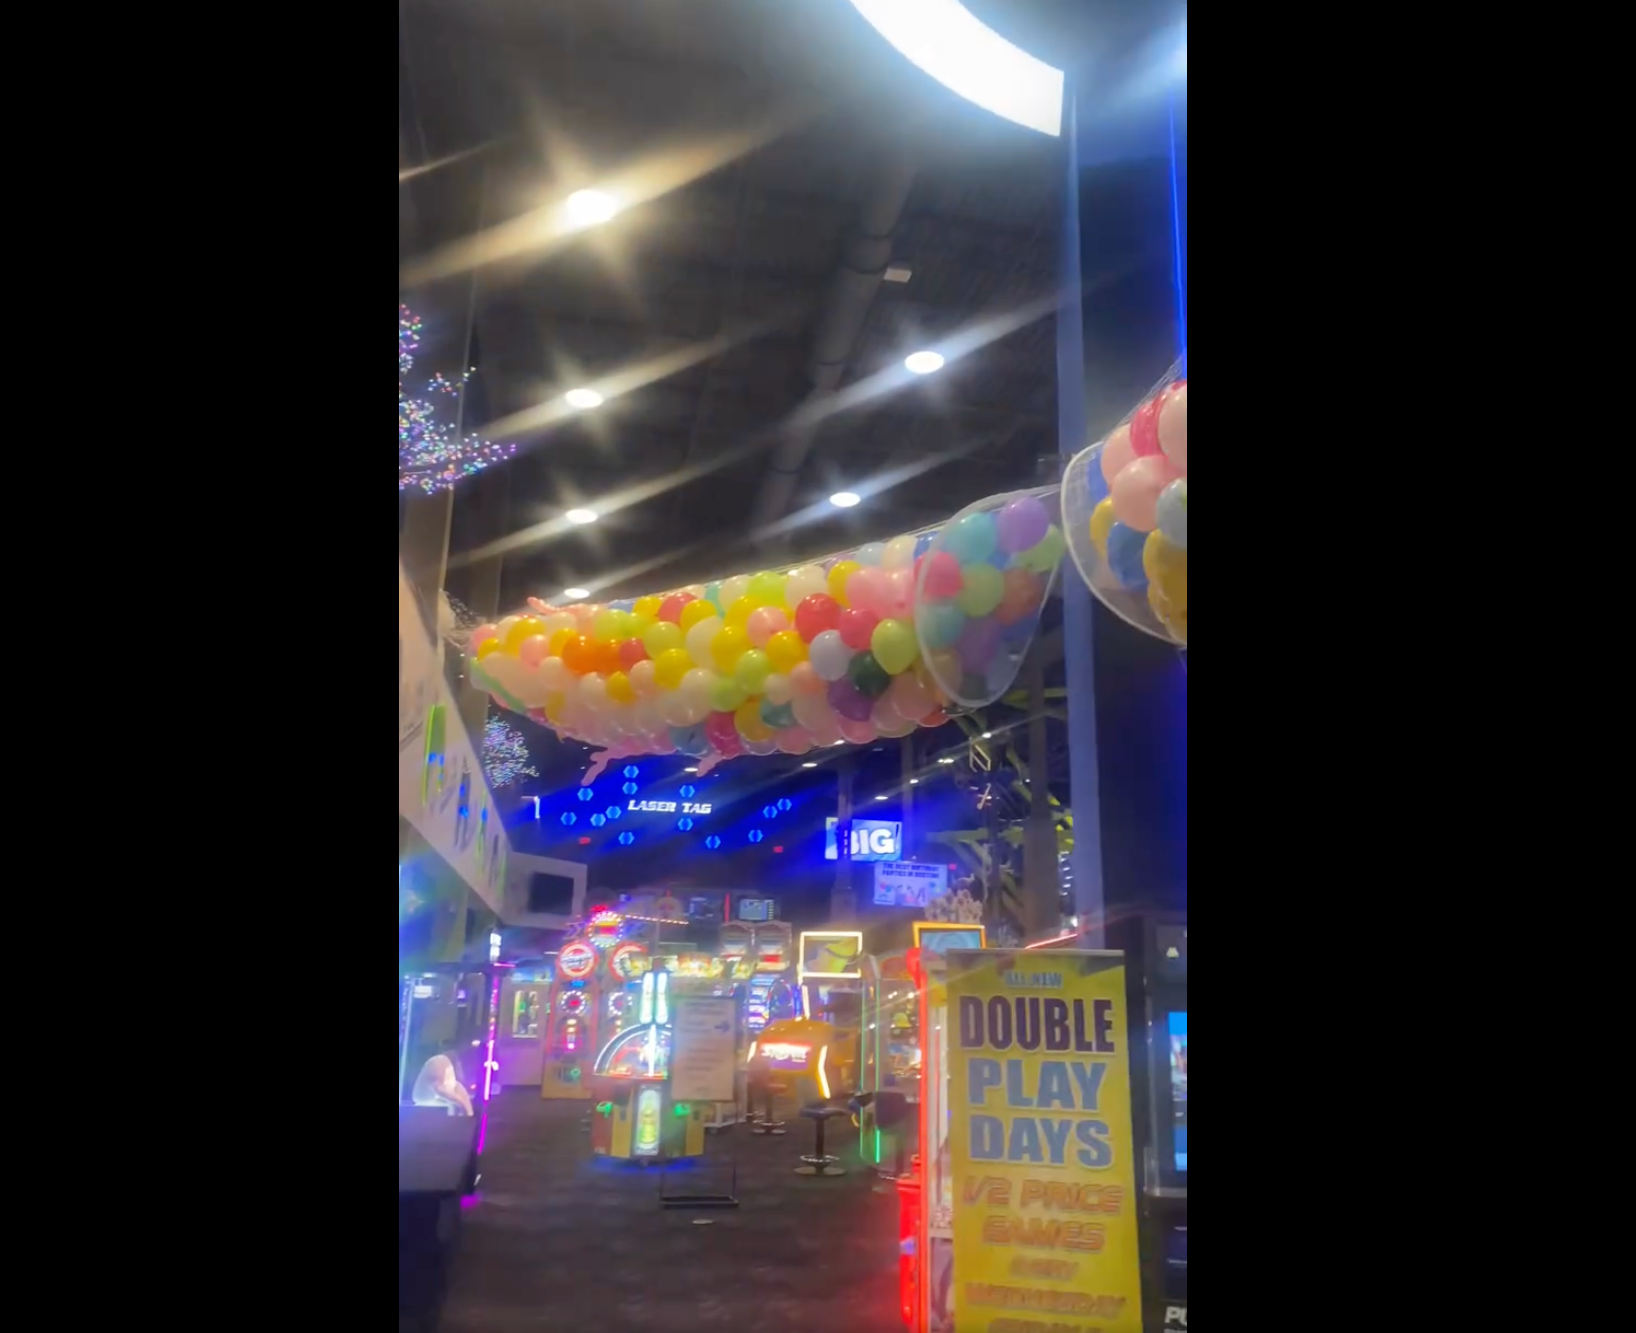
{"type": "Point", "coordinates": [582, 399]}
{"type": "Point", "coordinates": [880, 798]}
{"type": "Point", "coordinates": [923, 363]}
{"type": "Point", "coordinates": [809, 764]}
{"type": "Point", "coordinates": [945, 761]}
{"type": "Point", "coordinates": [586, 208]}
{"type": "Point", "coordinates": [576, 594]}
{"type": "Point", "coordinates": [691, 768]}
{"type": "Point", "coordinates": [845, 499]}
{"type": "Point", "coordinates": [988, 735]}
{"type": "Point", "coordinates": [914, 782]}
{"type": "Point", "coordinates": [581, 516]}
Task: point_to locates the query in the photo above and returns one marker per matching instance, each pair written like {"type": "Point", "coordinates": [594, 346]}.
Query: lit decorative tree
{"type": "Point", "coordinates": [505, 754]}
{"type": "Point", "coordinates": [432, 454]}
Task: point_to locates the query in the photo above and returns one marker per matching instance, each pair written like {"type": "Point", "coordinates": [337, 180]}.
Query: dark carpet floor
{"type": "Point", "coordinates": [558, 1241]}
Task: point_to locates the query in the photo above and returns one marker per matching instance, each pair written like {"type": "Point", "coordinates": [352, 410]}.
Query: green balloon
{"type": "Point", "coordinates": [982, 589]}
{"type": "Point", "coordinates": [726, 694]}
{"type": "Point", "coordinates": [893, 645]}
{"type": "Point", "coordinates": [868, 676]}
{"type": "Point", "coordinates": [1042, 557]}
{"type": "Point", "coordinates": [752, 670]}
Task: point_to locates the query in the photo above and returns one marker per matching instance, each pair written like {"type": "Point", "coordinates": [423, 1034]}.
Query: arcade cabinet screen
{"type": "Point", "coordinates": [941, 941]}
{"type": "Point", "coordinates": [755, 909]}
{"type": "Point", "coordinates": [1178, 1085]}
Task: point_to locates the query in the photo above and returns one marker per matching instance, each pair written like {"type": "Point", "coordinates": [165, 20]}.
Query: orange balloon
{"type": "Point", "coordinates": [579, 654]}
{"type": "Point", "coordinates": [1019, 596]}
{"type": "Point", "coordinates": [608, 660]}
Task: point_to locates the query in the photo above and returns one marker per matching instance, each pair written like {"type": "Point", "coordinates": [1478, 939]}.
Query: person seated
{"type": "Point", "coordinates": [438, 1084]}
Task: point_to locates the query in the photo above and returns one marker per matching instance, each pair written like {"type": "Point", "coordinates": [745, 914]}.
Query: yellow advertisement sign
{"type": "Point", "coordinates": [1045, 1206]}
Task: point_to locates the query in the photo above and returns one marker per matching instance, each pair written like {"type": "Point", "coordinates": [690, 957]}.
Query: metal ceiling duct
{"type": "Point", "coordinates": [864, 255]}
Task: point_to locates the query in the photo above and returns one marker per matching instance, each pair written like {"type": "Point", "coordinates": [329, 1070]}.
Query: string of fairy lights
{"type": "Point", "coordinates": [432, 454]}
{"type": "Point", "coordinates": [505, 754]}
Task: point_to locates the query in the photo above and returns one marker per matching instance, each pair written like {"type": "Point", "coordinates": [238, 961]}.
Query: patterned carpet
{"type": "Point", "coordinates": [556, 1241]}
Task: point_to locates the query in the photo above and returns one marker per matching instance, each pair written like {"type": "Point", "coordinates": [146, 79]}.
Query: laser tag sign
{"type": "Point", "coordinates": [1040, 1142]}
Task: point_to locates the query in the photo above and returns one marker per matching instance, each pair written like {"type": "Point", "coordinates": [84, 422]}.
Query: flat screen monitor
{"type": "Point", "coordinates": [755, 909]}
{"type": "Point", "coordinates": [1176, 1030]}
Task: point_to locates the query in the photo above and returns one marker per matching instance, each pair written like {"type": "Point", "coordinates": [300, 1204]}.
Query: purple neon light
{"type": "Point", "coordinates": [494, 1019]}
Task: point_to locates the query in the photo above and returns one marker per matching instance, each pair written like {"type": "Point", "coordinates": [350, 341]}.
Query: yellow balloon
{"type": "Point", "coordinates": [610, 626]}
{"type": "Point", "coordinates": [659, 638]}
{"type": "Point", "coordinates": [619, 688]}
{"type": "Point", "coordinates": [748, 718]}
{"type": "Point", "coordinates": [1101, 526]}
{"type": "Point", "coordinates": [670, 666]}
{"type": "Point", "coordinates": [646, 608]}
{"type": "Point", "coordinates": [558, 638]}
{"type": "Point", "coordinates": [1162, 558]}
{"type": "Point", "coordinates": [553, 706]}
{"type": "Point", "coordinates": [694, 612]}
{"type": "Point", "coordinates": [767, 588]}
{"type": "Point", "coordinates": [525, 627]}
{"type": "Point", "coordinates": [1157, 602]}
{"type": "Point", "coordinates": [838, 576]}
{"type": "Point", "coordinates": [740, 610]}
{"type": "Point", "coordinates": [730, 644]}
{"type": "Point", "coordinates": [785, 649]}
{"type": "Point", "coordinates": [491, 645]}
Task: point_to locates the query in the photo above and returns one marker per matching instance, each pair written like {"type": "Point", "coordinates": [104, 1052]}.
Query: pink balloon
{"type": "Point", "coordinates": [1116, 452]}
{"type": "Point", "coordinates": [859, 733]}
{"type": "Point", "coordinates": [868, 589]}
{"type": "Point", "coordinates": [812, 711]}
{"type": "Point", "coordinates": [910, 697]}
{"type": "Point", "coordinates": [943, 577]}
{"type": "Point", "coordinates": [1136, 491]}
{"type": "Point", "coordinates": [764, 622]}
{"type": "Point", "coordinates": [794, 740]}
{"type": "Point", "coordinates": [1173, 426]}
{"type": "Point", "coordinates": [1144, 428]}
{"type": "Point", "coordinates": [884, 717]}
{"type": "Point", "coordinates": [804, 680]}
{"type": "Point", "coordinates": [901, 594]}
{"type": "Point", "coordinates": [533, 650]}
{"type": "Point", "coordinates": [828, 734]}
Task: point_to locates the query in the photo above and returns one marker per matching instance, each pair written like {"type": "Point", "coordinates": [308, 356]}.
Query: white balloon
{"type": "Point", "coordinates": [803, 582]}
{"type": "Point", "coordinates": [698, 640]}
{"type": "Point", "coordinates": [899, 554]}
{"type": "Point", "coordinates": [829, 655]}
{"type": "Point", "coordinates": [734, 588]}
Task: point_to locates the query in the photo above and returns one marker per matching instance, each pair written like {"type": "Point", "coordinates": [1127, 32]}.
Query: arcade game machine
{"type": "Point", "coordinates": [893, 1056]}
{"type": "Point", "coordinates": [588, 1001]}
{"type": "Point", "coordinates": [926, 1194]}
{"type": "Point", "coordinates": [771, 994]}
{"type": "Point", "coordinates": [525, 1001]}
{"type": "Point", "coordinates": [1156, 946]}
{"type": "Point", "coordinates": [637, 1119]}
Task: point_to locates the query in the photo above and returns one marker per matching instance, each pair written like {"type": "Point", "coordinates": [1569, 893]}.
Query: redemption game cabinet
{"type": "Point", "coordinates": [525, 1002]}
{"type": "Point", "coordinates": [1156, 945]}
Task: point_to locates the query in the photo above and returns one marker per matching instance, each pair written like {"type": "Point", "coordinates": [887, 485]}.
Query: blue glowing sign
{"type": "Point", "coordinates": [569, 818]}
{"type": "Point", "coordinates": [630, 770]}
{"type": "Point", "coordinates": [583, 794]}
{"type": "Point", "coordinates": [626, 839]}
{"type": "Point", "coordinates": [872, 839]}
{"type": "Point", "coordinates": [756, 835]}
{"type": "Point", "coordinates": [712, 842]}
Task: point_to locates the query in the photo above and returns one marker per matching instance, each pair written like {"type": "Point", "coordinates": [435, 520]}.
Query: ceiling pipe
{"type": "Point", "coordinates": [864, 255]}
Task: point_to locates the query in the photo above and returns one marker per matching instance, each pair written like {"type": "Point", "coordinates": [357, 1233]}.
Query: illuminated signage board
{"type": "Point", "coordinates": [577, 960]}
{"type": "Point", "coordinates": [909, 883]}
{"type": "Point", "coordinates": [830, 954]}
{"type": "Point", "coordinates": [791, 1054]}
{"type": "Point", "coordinates": [670, 807]}
{"type": "Point", "coordinates": [872, 840]}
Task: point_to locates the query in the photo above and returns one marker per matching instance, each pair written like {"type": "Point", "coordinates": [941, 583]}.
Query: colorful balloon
{"type": "Point", "coordinates": [1173, 426]}
{"type": "Point", "coordinates": [1165, 565]}
{"type": "Point", "coordinates": [647, 608]}
{"type": "Point", "coordinates": [1144, 428]}
{"type": "Point", "coordinates": [815, 614]}
{"type": "Point", "coordinates": [1125, 556]}
{"type": "Point", "coordinates": [1102, 521]}
{"type": "Point", "coordinates": [971, 539]}
{"type": "Point", "coordinates": [775, 686]}
{"type": "Point", "coordinates": [522, 627]}
{"type": "Point", "coordinates": [1135, 493]}
{"type": "Point", "coordinates": [727, 693]}
{"type": "Point", "coordinates": [481, 635]}
{"type": "Point", "coordinates": [699, 638]}
{"type": "Point", "coordinates": [894, 645]}
{"type": "Point", "coordinates": [1047, 555]}
{"type": "Point", "coordinates": [1116, 452]}
{"type": "Point", "coordinates": [802, 582]}
{"type": "Point", "coordinates": [899, 553]}
{"type": "Point", "coordinates": [981, 589]}
{"type": "Point", "coordinates": [856, 626]}
{"type": "Point", "coordinates": [533, 650]}
{"type": "Point", "coordinates": [978, 644]}
{"type": "Point", "coordinates": [941, 577]}
{"type": "Point", "coordinates": [839, 573]}
{"type": "Point", "coordinates": [752, 670]}
{"type": "Point", "coordinates": [670, 609]}
{"type": "Point", "coordinates": [1171, 512]}
{"type": "Point", "coordinates": [730, 643]}
{"type": "Point", "coordinates": [1020, 596]}
{"type": "Point", "coordinates": [632, 651]}
{"type": "Point", "coordinates": [696, 613]}
{"type": "Point", "coordinates": [786, 651]}
{"type": "Point", "coordinates": [620, 689]}
{"type": "Point", "coordinates": [804, 680]}
{"type": "Point", "coordinates": [940, 623]}
{"type": "Point", "coordinates": [670, 666]}
{"type": "Point", "coordinates": [660, 637]}
{"type": "Point", "coordinates": [909, 695]}
{"type": "Point", "coordinates": [849, 701]}
{"type": "Point", "coordinates": [644, 678]}
{"type": "Point", "coordinates": [1021, 524]}
{"type": "Point", "coordinates": [722, 732]}
{"type": "Point", "coordinates": [768, 588]}
{"type": "Point", "coordinates": [734, 588]}
{"type": "Point", "coordinates": [579, 653]}
{"type": "Point", "coordinates": [830, 655]}
{"type": "Point", "coordinates": [747, 717]}
{"type": "Point", "coordinates": [868, 676]}
{"type": "Point", "coordinates": [868, 589]}
{"type": "Point", "coordinates": [764, 622]}
{"type": "Point", "coordinates": [858, 731]}
{"type": "Point", "coordinates": [777, 715]}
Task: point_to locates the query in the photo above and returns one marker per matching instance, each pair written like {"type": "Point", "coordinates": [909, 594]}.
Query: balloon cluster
{"type": "Point", "coordinates": [1131, 545]}
{"type": "Point", "coordinates": [982, 585]}
{"type": "Point", "coordinates": [823, 653]}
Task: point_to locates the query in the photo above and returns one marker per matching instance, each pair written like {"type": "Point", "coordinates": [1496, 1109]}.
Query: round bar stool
{"type": "Point", "coordinates": [821, 1163]}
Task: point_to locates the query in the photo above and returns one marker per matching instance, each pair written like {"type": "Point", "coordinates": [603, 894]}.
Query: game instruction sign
{"type": "Point", "coordinates": [909, 883]}
{"type": "Point", "coordinates": [704, 1049]}
{"type": "Point", "coordinates": [1045, 1207]}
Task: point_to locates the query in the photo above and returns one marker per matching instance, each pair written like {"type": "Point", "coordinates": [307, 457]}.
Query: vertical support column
{"type": "Point", "coordinates": [1078, 644]}
{"type": "Point", "coordinates": [843, 899]}
{"type": "Point", "coordinates": [1041, 917]}
{"type": "Point", "coordinates": [906, 757]}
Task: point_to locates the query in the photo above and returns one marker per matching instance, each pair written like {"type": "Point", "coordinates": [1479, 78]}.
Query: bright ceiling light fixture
{"type": "Point", "coordinates": [809, 764]}
{"type": "Point", "coordinates": [923, 363]}
{"type": "Point", "coordinates": [581, 516]}
{"type": "Point", "coordinates": [576, 594]}
{"type": "Point", "coordinates": [945, 761]}
{"type": "Point", "coordinates": [582, 399]}
{"type": "Point", "coordinates": [880, 798]}
{"type": "Point", "coordinates": [969, 58]}
{"type": "Point", "coordinates": [587, 208]}
{"type": "Point", "coordinates": [845, 499]}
